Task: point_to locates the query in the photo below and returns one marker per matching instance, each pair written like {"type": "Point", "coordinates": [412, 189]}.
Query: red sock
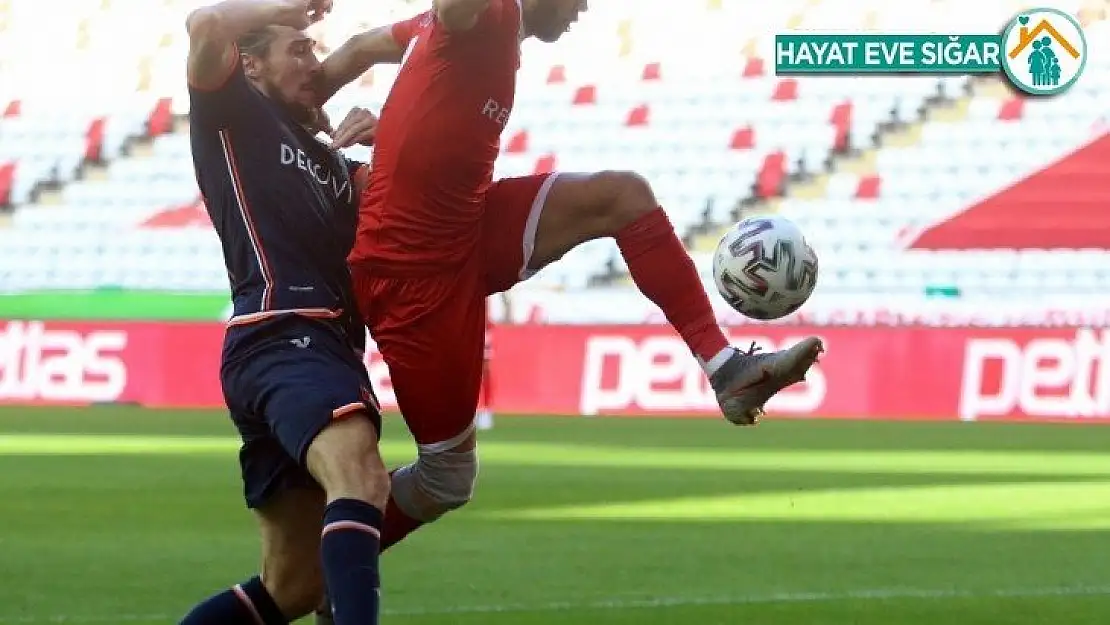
{"type": "Point", "coordinates": [396, 525]}
{"type": "Point", "coordinates": [664, 272]}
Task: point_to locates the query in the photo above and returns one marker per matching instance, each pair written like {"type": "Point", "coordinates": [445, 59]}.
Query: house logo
{"type": "Point", "coordinates": [1045, 51]}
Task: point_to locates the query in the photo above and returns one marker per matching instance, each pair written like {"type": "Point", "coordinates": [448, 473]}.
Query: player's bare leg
{"type": "Point", "coordinates": [290, 528]}
{"type": "Point", "coordinates": [423, 492]}
{"type": "Point", "coordinates": [440, 480]}
{"type": "Point", "coordinates": [345, 460]}
{"type": "Point", "coordinates": [290, 582]}
{"type": "Point", "coordinates": [622, 205]}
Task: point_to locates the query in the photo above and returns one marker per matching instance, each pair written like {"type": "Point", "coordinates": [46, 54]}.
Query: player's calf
{"type": "Point", "coordinates": [663, 270]}
{"type": "Point", "coordinates": [289, 524]}
{"type": "Point", "coordinates": [344, 459]}
{"type": "Point", "coordinates": [623, 205]}
{"type": "Point", "coordinates": [290, 527]}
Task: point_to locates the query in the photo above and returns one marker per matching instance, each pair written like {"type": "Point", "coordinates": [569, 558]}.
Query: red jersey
{"type": "Point", "coordinates": [437, 140]}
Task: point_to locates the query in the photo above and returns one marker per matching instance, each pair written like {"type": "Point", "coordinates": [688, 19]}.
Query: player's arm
{"type": "Point", "coordinates": [356, 56]}
{"type": "Point", "coordinates": [213, 31]}
{"type": "Point", "coordinates": [459, 15]}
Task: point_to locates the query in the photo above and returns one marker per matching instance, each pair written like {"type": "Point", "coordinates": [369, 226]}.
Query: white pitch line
{"type": "Point", "coordinates": [878, 594]}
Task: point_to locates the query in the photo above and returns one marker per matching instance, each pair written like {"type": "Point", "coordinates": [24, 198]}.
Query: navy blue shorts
{"type": "Point", "coordinates": [284, 380]}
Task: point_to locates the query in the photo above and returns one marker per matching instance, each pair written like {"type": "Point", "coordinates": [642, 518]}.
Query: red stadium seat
{"type": "Point", "coordinates": [557, 75]}
{"type": "Point", "coordinates": [639, 116]}
{"type": "Point", "coordinates": [94, 139]}
{"type": "Point", "coordinates": [518, 143]}
{"type": "Point", "coordinates": [652, 71]}
{"type": "Point", "coordinates": [753, 68]}
{"type": "Point", "coordinates": [545, 164]}
{"type": "Point", "coordinates": [7, 179]}
{"type": "Point", "coordinates": [586, 94]}
{"type": "Point", "coordinates": [868, 188]}
{"type": "Point", "coordinates": [771, 175]}
{"type": "Point", "coordinates": [192, 214]}
{"type": "Point", "coordinates": [841, 114]}
{"type": "Point", "coordinates": [161, 118]}
{"type": "Point", "coordinates": [785, 90]}
{"type": "Point", "coordinates": [13, 109]}
{"type": "Point", "coordinates": [1012, 109]}
{"type": "Point", "coordinates": [841, 119]}
{"type": "Point", "coordinates": [743, 139]}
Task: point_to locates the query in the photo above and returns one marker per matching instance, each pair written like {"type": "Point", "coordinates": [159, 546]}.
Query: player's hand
{"type": "Point", "coordinates": [305, 13]}
{"type": "Point", "coordinates": [359, 127]}
{"type": "Point", "coordinates": [317, 9]}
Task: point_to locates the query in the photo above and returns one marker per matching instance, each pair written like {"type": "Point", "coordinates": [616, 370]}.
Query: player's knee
{"type": "Point", "coordinates": [629, 196]}
{"type": "Point", "coordinates": [437, 483]}
{"type": "Point", "coordinates": [345, 460]}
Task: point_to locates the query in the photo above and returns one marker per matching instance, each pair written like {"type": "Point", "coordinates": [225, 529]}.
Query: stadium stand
{"type": "Point", "coordinates": [879, 171]}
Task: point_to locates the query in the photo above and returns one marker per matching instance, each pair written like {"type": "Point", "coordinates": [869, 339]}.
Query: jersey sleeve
{"type": "Point", "coordinates": [217, 107]}
{"type": "Point", "coordinates": [404, 31]}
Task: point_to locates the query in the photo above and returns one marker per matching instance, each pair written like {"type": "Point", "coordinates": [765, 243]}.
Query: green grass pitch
{"type": "Point", "coordinates": [114, 515]}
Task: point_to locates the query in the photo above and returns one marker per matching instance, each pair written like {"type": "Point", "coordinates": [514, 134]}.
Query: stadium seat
{"type": "Point", "coordinates": [101, 155]}
{"type": "Point", "coordinates": [7, 177]}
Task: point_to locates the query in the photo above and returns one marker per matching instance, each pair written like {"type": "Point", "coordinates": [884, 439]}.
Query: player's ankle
{"type": "Point", "coordinates": [714, 364]}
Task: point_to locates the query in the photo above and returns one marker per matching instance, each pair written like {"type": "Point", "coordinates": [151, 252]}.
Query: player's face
{"type": "Point", "coordinates": [290, 70]}
{"type": "Point", "coordinates": [550, 19]}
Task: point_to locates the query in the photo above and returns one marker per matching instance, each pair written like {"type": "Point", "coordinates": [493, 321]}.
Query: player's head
{"type": "Point", "coordinates": [282, 63]}
{"type": "Point", "coordinates": [547, 20]}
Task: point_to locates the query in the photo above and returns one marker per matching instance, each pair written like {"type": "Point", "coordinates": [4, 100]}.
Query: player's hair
{"type": "Point", "coordinates": [257, 42]}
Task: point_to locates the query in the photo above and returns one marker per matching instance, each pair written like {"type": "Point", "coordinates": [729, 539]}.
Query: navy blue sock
{"type": "Point", "coordinates": [349, 547]}
{"type": "Point", "coordinates": [243, 604]}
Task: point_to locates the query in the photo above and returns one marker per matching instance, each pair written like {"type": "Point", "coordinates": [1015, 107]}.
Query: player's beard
{"type": "Point", "coordinates": [301, 114]}
{"type": "Point", "coordinates": [297, 110]}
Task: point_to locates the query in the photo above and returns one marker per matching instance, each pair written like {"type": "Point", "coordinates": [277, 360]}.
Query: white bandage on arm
{"type": "Point", "coordinates": [437, 483]}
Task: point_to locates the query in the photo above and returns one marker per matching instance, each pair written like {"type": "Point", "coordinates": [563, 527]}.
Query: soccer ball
{"type": "Point", "coordinates": [764, 268]}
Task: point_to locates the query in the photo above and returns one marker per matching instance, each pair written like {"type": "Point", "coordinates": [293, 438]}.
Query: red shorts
{"type": "Point", "coordinates": [431, 330]}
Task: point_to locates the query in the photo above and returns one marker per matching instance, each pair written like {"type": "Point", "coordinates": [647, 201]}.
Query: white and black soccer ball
{"type": "Point", "coordinates": [764, 268]}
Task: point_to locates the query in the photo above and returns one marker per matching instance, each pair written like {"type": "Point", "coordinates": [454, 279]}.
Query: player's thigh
{"type": "Point", "coordinates": [268, 470]}
{"type": "Point", "coordinates": [289, 524]}
{"type": "Point", "coordinates": [436, 377]}
{"type": "Point", "coordinates": [303, 378]}
{"type": "Point", "coordinates": [566, 211]}
{"type": "Point", "coordinates": [433, 347]}
{"type": "Point", "coordinates": [513, 210]}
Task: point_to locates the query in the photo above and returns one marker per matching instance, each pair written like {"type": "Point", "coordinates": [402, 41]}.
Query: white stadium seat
{"type": "Point", "coordinates": [708, 125]}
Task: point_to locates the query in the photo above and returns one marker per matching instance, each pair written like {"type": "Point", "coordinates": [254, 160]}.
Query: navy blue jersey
{"type": "Point", "coordinates": [284, 204]}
